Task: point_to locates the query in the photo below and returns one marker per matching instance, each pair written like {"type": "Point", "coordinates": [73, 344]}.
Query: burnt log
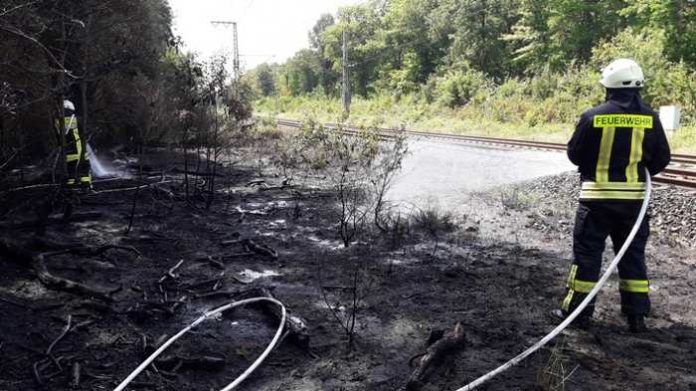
{"type": "Point", "coordinates": [37, 262]}
{"type": "Point", "coordinates": [451, 342]}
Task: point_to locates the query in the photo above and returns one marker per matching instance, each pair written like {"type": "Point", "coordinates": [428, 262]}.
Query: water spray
{"type": "Point", "coordinates": [95, 164]}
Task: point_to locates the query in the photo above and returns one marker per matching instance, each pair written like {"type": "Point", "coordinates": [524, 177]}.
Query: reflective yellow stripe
{"type": "Point", "coordinates": [86, 179]}
{"type": "Point", "coordinates": [613, 190]}
{"type": "Point", "coordinates": [636, 154]}
{"type": "Point", "coordinates": [583, 286]}
{"type": "Point", "coordinates": [72, 157]}
{"type": "Point", "coordinates": [70, 123]}
{"type": "Point", "coordinates": [565, 306]}
{"type": "Point", "coordinates": [602, 173]}
{"type": "Point", "coordinates": [623, 121]}
{"type": "Point", "coordinates": [635, 286]}
{"type": "Point", "coordinates": [613, 186]}
{"type": "Point", "coordinates": [71, 181]}
{"type": "Point", "coordinates": [611, 195]}
{"type": "Point", "coordinates": [578, 285]}
{"type": "Point", "coordinates": [78, 146]}
{"type": "Point", "coordinates": [571, 275]}
{"type": "Point", "coordinates": [575, 285]}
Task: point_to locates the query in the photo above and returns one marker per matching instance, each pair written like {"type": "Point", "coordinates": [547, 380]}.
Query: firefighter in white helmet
{"type": "Point", "coordinates": [612, 145]}
{"type": "Point", "coordinates": [76, 158]}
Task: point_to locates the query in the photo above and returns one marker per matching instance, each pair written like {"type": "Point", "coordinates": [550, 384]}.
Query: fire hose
{"type": "Point", "coordinates": [474, 384]}
{"type": "Point", "coordinates": [590, 296]}
{"type": "Point", "coordinates": [202, 318]}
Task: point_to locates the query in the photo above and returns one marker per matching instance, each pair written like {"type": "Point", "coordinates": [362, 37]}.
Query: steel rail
{"type": "Point", "coordinates": [675, 174]}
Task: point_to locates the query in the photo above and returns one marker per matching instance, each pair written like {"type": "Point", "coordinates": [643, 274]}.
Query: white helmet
{"type": "Point", "coordinates": [68, 105]}
{"type": "Point", "coordinates": [622, 73]}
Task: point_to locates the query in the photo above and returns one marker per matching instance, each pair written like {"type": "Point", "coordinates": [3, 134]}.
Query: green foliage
{"type": "Point", "coordinates": [477, 29]}
{"type": "Point", "coordinates": [266, 80]}
{"type": "Point", "coordinates": [524, 68]}
{"type": "Point", "coordinates": [440, 49]}
{"type": "Point", "coordinates": [55, 50]}
{"type": "Point", "coordinates": [315, 35]}
{"type": "Point", "coordinates": [677, 18]}
{"type": "Point", "coordinates": [457, 87]}
{"type": "Point", "coordinates": [302, 72]}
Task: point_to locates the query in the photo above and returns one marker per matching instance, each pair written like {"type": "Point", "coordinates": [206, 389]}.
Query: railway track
{"type": "Point", "coordinates": [680, 172]}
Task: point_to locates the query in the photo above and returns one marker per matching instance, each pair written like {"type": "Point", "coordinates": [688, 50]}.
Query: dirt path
{"type": "Point", "coordinates": [499, 274]}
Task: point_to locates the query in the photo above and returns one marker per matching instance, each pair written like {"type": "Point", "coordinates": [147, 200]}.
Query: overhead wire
{"type": "Point", "coordinates": [246, 11]}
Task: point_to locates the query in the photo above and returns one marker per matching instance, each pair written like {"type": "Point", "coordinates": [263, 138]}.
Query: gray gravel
{"type": "Point", "coordinates": [672, 209]}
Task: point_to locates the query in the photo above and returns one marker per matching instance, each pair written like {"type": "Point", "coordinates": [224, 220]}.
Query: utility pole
{"type": "Point", "coordinates": [235, 58]}
{"type": "Point", "coordinates": [346, 77]}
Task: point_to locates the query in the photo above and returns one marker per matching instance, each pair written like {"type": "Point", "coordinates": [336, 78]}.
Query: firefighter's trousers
{"type": "Point", "coordinates": [77, 163]}
{"type": "Point", "coordinates": [594, 221]}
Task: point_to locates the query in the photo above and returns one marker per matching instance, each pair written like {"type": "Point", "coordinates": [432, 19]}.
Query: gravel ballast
{"type": "Point", "coordinates": [672, 208]}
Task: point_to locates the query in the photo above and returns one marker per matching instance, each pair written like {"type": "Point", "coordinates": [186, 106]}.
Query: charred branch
{"type": "Point", "coordinates": [450, 342]}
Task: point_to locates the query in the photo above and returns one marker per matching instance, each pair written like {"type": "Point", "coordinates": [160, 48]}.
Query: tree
{"type": "Point", "coordinates": [676, 17]}
{"type": "Point", "coordinates": [555, 33]}
{"type": "Point", "coordinates": [477, 28]}
{"type": "Point", "coordinates": [83, 51]}
{"type": "Point", "coordinates": [450, 51]}
{"type": "Point", "coordinates": [302, 72]}
{"type": "Point", "coordinates": [362, 23]}
{"type": "Point", "coordinates": [411, 53]}
{"type": "Point", "coordinates": [531, 38]}
{"type": "Point", "coordinates": [266, 80]}
{"type": "Point", "coordinates": [315, 35]}
{"type": "Point", "coordinates": [327, 76]}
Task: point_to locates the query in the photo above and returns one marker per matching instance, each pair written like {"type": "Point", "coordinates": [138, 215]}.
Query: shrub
{"type": "Point", "coordinates": [359, 167]}
{"type": "Point", "coordinates": [433, 221]}
{"type": "Point", "coordinates": [544, 85]}
{"type": "Point", "coordinates": [458, 86]}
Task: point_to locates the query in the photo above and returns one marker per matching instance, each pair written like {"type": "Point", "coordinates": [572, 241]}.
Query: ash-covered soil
{"type": "Point", "coordinates": [499, 272]}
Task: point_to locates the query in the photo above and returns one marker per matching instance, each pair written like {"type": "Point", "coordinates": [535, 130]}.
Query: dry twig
{"type": "Point", "coordinates": [170, 272]}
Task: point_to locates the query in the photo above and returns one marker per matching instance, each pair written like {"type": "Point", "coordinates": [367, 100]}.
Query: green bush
{"type": "Point", "coordinates": [544, 85]}
{"type": "Point", "coordinates": [458, 86]}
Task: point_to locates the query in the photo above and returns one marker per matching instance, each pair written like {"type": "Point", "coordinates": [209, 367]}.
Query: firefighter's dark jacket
{"type": "Point", "coordinates": [612, 144]}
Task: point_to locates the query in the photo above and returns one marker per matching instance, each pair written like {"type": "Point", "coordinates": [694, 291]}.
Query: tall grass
{"type": "Point", "coordinates": [503, 116]}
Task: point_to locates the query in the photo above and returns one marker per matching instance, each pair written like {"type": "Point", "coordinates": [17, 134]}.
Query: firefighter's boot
{"type": "Point", "coordinates": [636, 323]}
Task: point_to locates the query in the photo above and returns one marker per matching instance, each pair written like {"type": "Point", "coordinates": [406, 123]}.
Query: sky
{"type": "Point", "coordinates": [269, 30]}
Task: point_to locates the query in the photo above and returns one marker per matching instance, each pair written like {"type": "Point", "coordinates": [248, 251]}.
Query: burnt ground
{"type": "Point", "coordinates": [499, 272]}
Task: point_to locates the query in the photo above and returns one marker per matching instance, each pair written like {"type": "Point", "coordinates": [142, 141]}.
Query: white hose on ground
{"type": "Point", "coordinates": [203, 317]}
{"type": "Point", "coordinates": [568, 320]}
